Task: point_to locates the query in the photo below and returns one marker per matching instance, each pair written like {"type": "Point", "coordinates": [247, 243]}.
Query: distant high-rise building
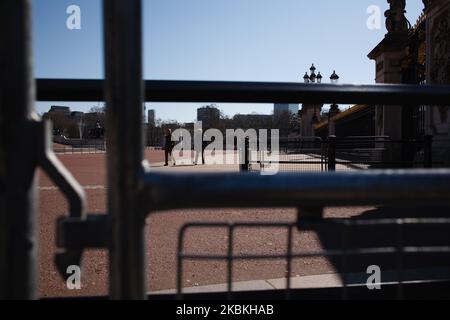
{"type": "Point", "coordinates": [280, 108]}
{"type": "Point", "coordinates": [151, 117]}
{"type": "Point", "coordinates": [60, 109]}
{"type": "Point", "coordinates": [253, 121]}
{"type": "Point", "coordinates": [209, 115]}
{"type": "Point", "coordinates": [283, 116]}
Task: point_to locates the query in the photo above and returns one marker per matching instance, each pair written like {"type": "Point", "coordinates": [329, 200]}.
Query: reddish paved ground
{"type": "Point", "coordinates": [162, 233]}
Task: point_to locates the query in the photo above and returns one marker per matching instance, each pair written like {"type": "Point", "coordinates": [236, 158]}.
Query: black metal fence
{"type": "Point", "coordinates": [342, 154]}
{"type": "Point", "coordinates": [376, 153]}
{"type": "Point", "coordinates": [351, 245]}
{"type": "Point", "coordinates": [80, 149]}
{"type": "Point", "coordinates": [293, 155]}
{"type": "Point", "coordinates": [134, 190]}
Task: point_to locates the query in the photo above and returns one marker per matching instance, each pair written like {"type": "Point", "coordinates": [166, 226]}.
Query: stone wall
{"type": "Point", "coordinates": [438, 59]}
{"type": "Point", "coordinates": [438, 71]}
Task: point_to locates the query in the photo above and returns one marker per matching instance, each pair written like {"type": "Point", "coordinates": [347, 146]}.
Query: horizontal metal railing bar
{"type": "Point", "coordinates": [287, 162]}
{"type": "Point", "coordinates": [381, 162]}
{"type": "Point", "coordinates": [264, 224]}
{"type": "Point", "coordinates": [366, 137]}
{"type": "Point", "coordinates": [404, 188]}
{"type": "Point", "coordinates": [325, 253]}
{"type": "Point", "coordinates": [294, 152]}
{"type": "Point", "coordinates": [329, 253]}
{"type": "Point", "coordinates": [339, 221]}
{"type": "Point", "coordinates": [349, 141]}
{"type": "Point", "coordinates": [299, 162]}
{"type": "Point", "coordinates": [256, 92]}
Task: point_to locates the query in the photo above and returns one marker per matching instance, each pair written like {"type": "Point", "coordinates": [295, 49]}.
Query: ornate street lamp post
{"type": "Point", "coordinates": [334, 108]}
{"type": "Point", "coordinates": [312, 76]}
{"type": "Point", "coordinates": [310, 114]}
{"type": "Point", "coordinates": [315, 118]}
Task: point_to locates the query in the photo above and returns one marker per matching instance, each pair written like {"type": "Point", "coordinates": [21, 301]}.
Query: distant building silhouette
{"type": "Point", "coordinates": [281, 108]}
{"type": "Point", "coordinates": [252, 121]}
{"type": "Point", "coordinates": [76, 124]}
{"type": "Point", "coordinates": [60, 109]}
{"type": "Point", "coordinates": [209, 115]}
{"type": "Point", "coordinates": [151, 117]}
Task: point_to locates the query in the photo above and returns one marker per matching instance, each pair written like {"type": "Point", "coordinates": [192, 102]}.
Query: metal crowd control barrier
{"type": "Point", "coordinates": [80, 149]}
{"type": "Point", "coordinates": [344, 251]}
{"type": "Point", "coordinates": [349, 153]}
{"type": "Point", "coordinates": [306, 154]}
{"type": "Point", "coordinates": [133, 190]}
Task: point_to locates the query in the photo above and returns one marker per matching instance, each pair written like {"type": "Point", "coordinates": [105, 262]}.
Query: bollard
{"type": "Point", "coordinates": [332, 153]}
{"type": "Point", "coordinates": [245, 152]}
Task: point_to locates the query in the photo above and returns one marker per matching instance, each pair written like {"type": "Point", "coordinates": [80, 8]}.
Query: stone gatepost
{"type": "Point", "coordinates": [388, 56]}
{"type": "Point", "coordinates": [310, 115]}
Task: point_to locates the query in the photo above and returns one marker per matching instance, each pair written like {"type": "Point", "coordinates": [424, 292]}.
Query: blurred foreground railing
{"type": "Point", "coordinates": [133, 190]}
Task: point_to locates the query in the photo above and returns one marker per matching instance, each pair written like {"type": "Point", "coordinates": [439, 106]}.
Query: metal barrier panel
{"type": "Point", "coordinates": [17, 227]}
{"type": "Point", "coordinates": [307, 154]}
{"type": "Point", "coordinates": [82, 149]}
{"type": "Point", "coordinates": [348, 154]}
{"type": "Point", "coordinates": [345, 244]}
{"type": "Point", "coordinates": [368, 153]}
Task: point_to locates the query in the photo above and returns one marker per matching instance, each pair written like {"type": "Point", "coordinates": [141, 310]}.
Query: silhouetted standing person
{"type": "Point", "coordinates": [199, 146]}
{"type": "Point", "coordinates": [168, 146]}
{"type": "Point", "coordinates": [204, 145]}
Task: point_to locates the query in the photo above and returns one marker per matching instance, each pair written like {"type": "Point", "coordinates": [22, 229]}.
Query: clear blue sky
{"type": "Point", "coordinates": [243, 40]}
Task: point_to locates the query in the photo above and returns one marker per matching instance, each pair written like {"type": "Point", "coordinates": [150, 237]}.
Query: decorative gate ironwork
{"type": "Point", "coordinates": [413, 116]}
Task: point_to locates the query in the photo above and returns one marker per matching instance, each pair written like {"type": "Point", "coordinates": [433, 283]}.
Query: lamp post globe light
{"type": "Point", "coordinates": [306, 77]}
{"type": "Point", "coordinates": [312, 77]}
{"type": "Point", "coordinates": [319, 78]}
{"type": "Point", "coordinates": [334, 77]}
{"type": "Point", "coordinates": [334, 108]}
